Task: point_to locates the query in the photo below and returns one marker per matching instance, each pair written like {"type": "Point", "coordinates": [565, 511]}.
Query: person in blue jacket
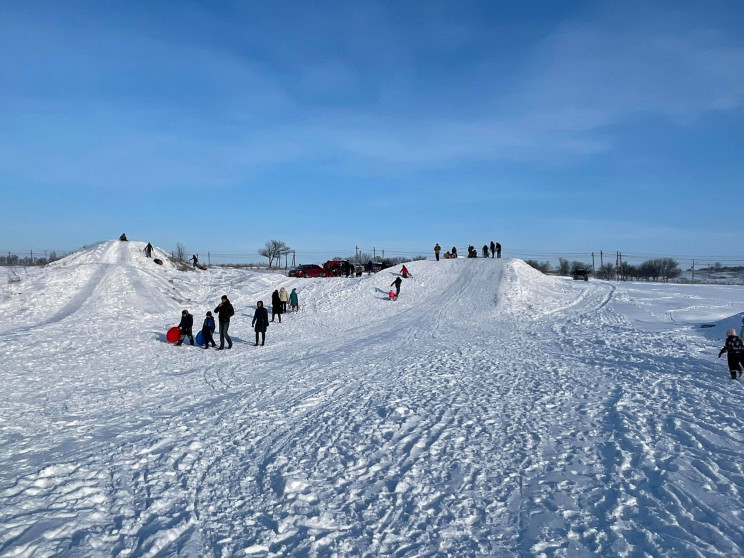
{"type": "Point", "coordinates": [208, 330]}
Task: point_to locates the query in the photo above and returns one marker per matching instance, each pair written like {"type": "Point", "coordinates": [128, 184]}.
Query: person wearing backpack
{"type": "Point", "coordinates": [225, 311]}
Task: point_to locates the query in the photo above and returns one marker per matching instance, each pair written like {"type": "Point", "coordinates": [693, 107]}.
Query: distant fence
{"type": "Point", "coordinates": [706, 269]}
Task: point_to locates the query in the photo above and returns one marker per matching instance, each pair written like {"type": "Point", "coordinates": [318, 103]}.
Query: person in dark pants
{"type": "Point", "coordinates": [498, 250]}
{"type": "Point", "coordinates": [260, 321]}
{"type": "Point", "coordinates": [437, 249]}
{"type": "Point", "coordinates": [284, 297]}
{"type": "Point", "coordinates": [493, 249]}
{"type": "Point", "coordinates": [397, 283]}
{"type": "Point", "coordinates": [276, 306]}
{"type": "Point", "coordinates": [225, 310]}
{"type": "Point", "coordinates": [208, 330]}
{"type": "Point", "coordinates": [735, 349]}
{"type": "Point", "coordinates": [187, 322]}
{"type": "Point", "coordinates": [454, 252]}
{"type": "Point", "coordinates": [485, 250]}
{"type": "Point", "coordinates": [195, 259]}
{"type": "Point", "coordinates": [148, 250]}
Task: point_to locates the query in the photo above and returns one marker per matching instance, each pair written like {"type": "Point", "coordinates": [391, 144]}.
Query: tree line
{"type": "Point", "coordinates": [656, 269]}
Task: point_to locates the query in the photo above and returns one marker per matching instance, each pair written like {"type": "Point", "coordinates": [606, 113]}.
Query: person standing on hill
{"type": "Point", "coordinates": [735, 349]}
{"type": "Point", "coordinates": [187, 322]}
{"type": "Point", "coordinates": [498, 250]}
{"type": "Point", "coordinates": [284, 297]}
{"type": "Point", "coordinates": [397, 283]}
{"type": "Point", "coordinates": [493, 249]}
{"type": "Point", "coordinates": [148, 250]}
{"type": "Point", "coordinates": [485, 250]}
{"type": "Point", "coordinates": [437, 249]}
{"type": "Point", "coordinates": [208, 330]}
{"type": "Point", "coordinates": [276, 306]}
{"type": "Point", "coordinates": [404, 272]}
{"type": "Point", "coordinates": [260, 321]}
{"type": "Point", "coordinates": [226, 311]}
{"type": "Point", "coordinates": [294, 301]}
{"type": "Point", "coordinates": [454, 252]}
{"type": "Point", "coordinates": [195, 259]}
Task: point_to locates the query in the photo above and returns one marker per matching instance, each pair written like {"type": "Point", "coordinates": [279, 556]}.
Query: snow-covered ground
{"type": "Point", "coordinates": [489, 411]}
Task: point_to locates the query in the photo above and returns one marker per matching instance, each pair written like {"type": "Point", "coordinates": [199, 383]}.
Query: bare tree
{"type": "Point", "coordinates": [180, 252]}
{"type": "Point", "coordinates": [273, 250]}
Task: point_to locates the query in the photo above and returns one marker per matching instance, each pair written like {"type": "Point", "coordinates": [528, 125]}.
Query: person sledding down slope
{"type": "Point", "coordinates": [405, 273]}
{"type": "Point", "coordinates": [735, 349]}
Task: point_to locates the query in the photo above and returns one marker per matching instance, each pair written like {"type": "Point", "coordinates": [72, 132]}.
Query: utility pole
{"type": "Point", "coordinates": [593, 270]}
{"type": "Point", "coordinates": [356, 253]}
{"type": "Point", "coordinates": [209, 258]}
{"type": "Point", "coordinates": [601, 259]}
{"type": "Point", "coordinates": [693, 270]}
{"type": "Point", "coordinates": [374, 253]}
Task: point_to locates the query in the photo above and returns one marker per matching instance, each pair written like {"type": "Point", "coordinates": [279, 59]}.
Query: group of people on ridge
{"type": "Point", "coordinates": [495, 250]}
{"type": "Point", "coordinates": [225, 311]}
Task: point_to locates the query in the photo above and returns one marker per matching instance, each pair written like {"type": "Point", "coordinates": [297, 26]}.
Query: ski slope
{"type": "Point", "coordinates": [489, 411]}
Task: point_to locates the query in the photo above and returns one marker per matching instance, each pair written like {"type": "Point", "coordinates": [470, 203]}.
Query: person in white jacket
{"type": "Point", "coordinates": [284, 297]}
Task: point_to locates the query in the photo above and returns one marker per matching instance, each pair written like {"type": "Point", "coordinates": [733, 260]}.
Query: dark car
{"type": "Point", "coordinates": [580, 274]}
{"type": "Point", "coordinates": [307, 270]}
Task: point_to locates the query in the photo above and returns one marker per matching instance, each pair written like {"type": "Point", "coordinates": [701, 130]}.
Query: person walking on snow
{"type": "Point", "coordinates": [276, 306]}
{"type": "Point", "coordinates": [208, 330]}
{"type": "Point", "coordinates": [404, 272]}
{"type": "Point", "coordinates": [294, 301]}
{"type": "Point", "coordinates": [735, 349]}
{"type": "Point", "coordinates": [493, 249]}
{"type": "Point", "coordinates": [194, 259]}
{"type": "Point", "coordinates": [397, 283]}
{"type": "Point", "coordinates": [148, 250]}
{"type": "Point", "coordinates": [225, 310]}
{"type": "Point", "coordinates": [187, 322]}
{"type": "Point", "coordinates": [437, 249]}
{"type": "Point", "coordinates": [284, 297]}
{"type": "Point", "coordinates": [498, 250]}
{"type": "Point", "coordinates": [260, 321]}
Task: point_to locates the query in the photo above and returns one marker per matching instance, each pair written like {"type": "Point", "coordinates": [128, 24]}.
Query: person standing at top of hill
{"type": "Point", "coordinates": [195, 259]}
{"type": "Point", "coordinates": [276, 306]}
{"type": "Point", "coordinates": [735, 349]}
{"type": "Point", "coordinates": [148, 250]}
{"type": "Point", "coordinates": [437, 249]}
{"type": "Point", "coordinates": [404, 272]}
{"type": "Point", "coordinates": [498, 250]}
{"type": "Point", "coordinates": [485, 250]}
{"type": "Point", "coordinates": [294, 301]}
{"type": "Point", "coordinates": [187, 322]}
{"type": "Point", "coordinates": [225, 310]}
{"type": "Point", "coordinates": [260, 321]}
{"type": "Point", "coordinates": [284, 297]}
{"type": "Point", "coordinates": [493, 249]}
{"type": "Point", "coordinates": [123, 237]}
{"type": "Point", "coordinates": [454, 252]}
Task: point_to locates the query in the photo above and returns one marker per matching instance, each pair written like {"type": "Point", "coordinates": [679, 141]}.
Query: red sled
{"type": "Point", "coordinates": [173, 334]}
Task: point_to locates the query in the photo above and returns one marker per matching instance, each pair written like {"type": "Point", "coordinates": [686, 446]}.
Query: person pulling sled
{"type": "Point", "coordinates": [187, 322]}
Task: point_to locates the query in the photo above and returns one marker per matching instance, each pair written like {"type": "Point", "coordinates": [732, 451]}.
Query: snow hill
{"type": "Point", "coordinates": [489, 411]}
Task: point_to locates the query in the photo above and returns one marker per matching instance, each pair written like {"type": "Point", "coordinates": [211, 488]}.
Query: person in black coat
{"type": "Point", "coordinates": [225, 311]}
{"type": "Point", "coordinates": [260, 321]}
{"type": "Point", "coordinates": [276, 306]}
{"type": "Point", "coordinates": [187, 322]}
{"type": "Point", "coordinates": [493, 249]}
{"type": "Point", "coordinates": [498, 250]}
{"type": "Point", "coordinates": [397, 283]}
{"type": "Point", "coordinates": [735, 349]}
{"type": "Point", "coordinates": [485, 250]}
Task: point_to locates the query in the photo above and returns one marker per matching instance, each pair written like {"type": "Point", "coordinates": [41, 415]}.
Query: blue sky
{"type": "Point", "coordinates": [548, 126]}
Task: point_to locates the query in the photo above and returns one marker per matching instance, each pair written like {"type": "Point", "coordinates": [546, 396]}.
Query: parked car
{"type": "Point", "coordinates": [307, 270]}
{"type": "Point", "coordinates": [337, 268]}
{"type": "Point", "coordinates": [580, 274]}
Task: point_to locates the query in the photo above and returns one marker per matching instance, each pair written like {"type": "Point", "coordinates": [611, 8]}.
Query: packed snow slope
{"type": "Point", "coordinates": [489, 411]}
